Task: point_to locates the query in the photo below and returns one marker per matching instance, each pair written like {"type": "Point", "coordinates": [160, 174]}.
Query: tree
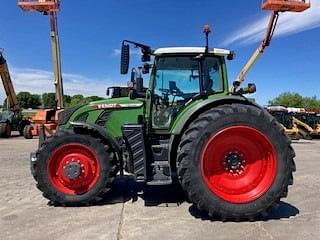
{"type": "Point", "coordinates": [28, 100]}
{"type": "Point", "coordinates": [93, 99]}
{"type": "Point", "coordinates": [49, 100]}
{"type": "Point", "coordinates": [288, 99]}
{"type": "Point", "coordinates": [76, 100]}
{"type": "Point", "coordinates": [66, 100]}
{"type": "Point", "coordinates": [311, 103]}
{"type": "Point", "coordinates": [80, 100]}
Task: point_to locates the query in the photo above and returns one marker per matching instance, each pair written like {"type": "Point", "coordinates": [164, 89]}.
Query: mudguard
{"type": "Point", "coordinates": [77, 126]}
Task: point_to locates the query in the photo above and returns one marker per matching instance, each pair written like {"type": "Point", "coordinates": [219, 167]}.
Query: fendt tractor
{"type": "Point", "coordinates": [233, 159]}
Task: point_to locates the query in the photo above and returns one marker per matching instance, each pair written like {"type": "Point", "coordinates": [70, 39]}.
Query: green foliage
{"type": "Point", "coordinates": [49, 100]}
{"type": "Point", "coordinates": [289, 99]}
{"type": "Point", "coordinates": [75, 100]}
{"type": "Point", "coordinates": [93, 98]}
{"type": "Point", "coordinates": [66, 100]}
{"type": "Point", "coordinates": [80, 99]}
{"type": "Point", "coordinates": [28, 100]}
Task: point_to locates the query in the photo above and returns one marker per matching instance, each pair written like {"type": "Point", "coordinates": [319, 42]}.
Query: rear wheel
{"type": "Point", "coordinates": [235, 161]}
{"type": "Point", "coordinates": [74, 169]}
{"type": "Point", "coordinates": [5, 130]}
{"type": "Point", "coordinates": [27, 132]}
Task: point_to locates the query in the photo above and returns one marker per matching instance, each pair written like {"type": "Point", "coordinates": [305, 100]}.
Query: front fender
{"type": "Point", "coordinates": [79, 127]}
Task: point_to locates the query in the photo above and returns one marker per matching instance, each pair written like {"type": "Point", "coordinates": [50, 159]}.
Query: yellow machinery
{"type": "Point", "coordinates": [286, 120]}
{"type": "Point", "coordinates": [306, 122]}
{"type": "Point", "coordinates": [305, 130]}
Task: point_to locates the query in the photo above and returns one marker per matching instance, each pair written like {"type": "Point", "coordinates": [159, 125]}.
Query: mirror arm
{"type": "Point", "coordinates": [140, 45]}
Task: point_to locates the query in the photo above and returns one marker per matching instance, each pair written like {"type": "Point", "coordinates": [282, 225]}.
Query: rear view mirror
{"type": "Point", "coordinates": [231, 55]}
{"type": "Point", "coordinates": [125, 58]}
{"type": "Point", "coordinates": [252, 88]}
{"type": "Point", "coordinates": [146, 68]}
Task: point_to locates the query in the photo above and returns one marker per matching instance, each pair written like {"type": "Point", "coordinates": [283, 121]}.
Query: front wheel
{"type": "Point", "coordinates": [27, 132]}
{"type": "Point", "coordinates": [235, 161]}
{"type": "Point", "coordinates": [5, 130]}
{"type": "Point", "coordinates": [74, 169]}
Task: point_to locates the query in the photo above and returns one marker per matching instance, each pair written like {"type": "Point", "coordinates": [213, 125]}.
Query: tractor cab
{"type": "Point", "coordinates": [181, 76]}
{"type": "Point", "coordinates": [178, 77]}
{"type": "Point", "coordinates": [312, 120]}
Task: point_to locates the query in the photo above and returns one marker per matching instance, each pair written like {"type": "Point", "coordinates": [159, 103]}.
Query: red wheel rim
{"type": "Point", "coordinates": [239, 164]}
{"type": "Point", "coordinates": [80, 157]}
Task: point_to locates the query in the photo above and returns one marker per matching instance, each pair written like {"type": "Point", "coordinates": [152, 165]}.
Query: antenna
{"type": "Point", "coordinates": [207, 31]}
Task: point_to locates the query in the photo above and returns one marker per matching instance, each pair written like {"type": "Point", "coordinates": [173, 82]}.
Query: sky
{"type": "Point", "coordinates": [91, 33]}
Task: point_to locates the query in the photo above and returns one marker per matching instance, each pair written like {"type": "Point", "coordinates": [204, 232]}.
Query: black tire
{"type": "Point", "coordinates": [5, 130]}
{"type": "Point", "coordinates": [27, 132]}
{"type": "Point", "coordinates": [196, 137]}
{"type": "Point", "coordinates": [106, 175]}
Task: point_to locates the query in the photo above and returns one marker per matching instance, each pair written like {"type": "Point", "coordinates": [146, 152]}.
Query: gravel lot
{"type": "Point", "coordinates": [126, 213]}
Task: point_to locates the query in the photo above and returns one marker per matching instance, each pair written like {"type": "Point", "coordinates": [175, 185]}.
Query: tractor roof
{"type": "Point", "coordinates": [199, 50]}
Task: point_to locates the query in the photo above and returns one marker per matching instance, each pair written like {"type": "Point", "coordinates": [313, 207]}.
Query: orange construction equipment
{"type": "Point", "coordinates": [286, 5]}
{"type": "Point", "coordinates": [47, 119]}
{"type": "Point", "coordinates": [40, 5]}
{"type": "Point", "coordinates": [276, 6]}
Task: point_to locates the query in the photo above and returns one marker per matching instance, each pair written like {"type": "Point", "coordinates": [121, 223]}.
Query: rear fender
{"type": "Point", "coordinates": [186, 118]}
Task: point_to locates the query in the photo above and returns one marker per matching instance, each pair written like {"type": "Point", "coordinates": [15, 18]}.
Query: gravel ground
{"type": "Point", "coordinates": [126, 213]}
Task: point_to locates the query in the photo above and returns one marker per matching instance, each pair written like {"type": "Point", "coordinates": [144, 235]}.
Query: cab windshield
{"type": "Point", "coordinates": [177, 79]}
{"type": "Point", "coordinates": [312, 120]}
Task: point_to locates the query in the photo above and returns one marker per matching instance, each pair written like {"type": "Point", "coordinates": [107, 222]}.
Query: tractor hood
{"type": "Point", "coordinates": [109, 113]}
{"type": "Point", "coordinates": [116, 103]}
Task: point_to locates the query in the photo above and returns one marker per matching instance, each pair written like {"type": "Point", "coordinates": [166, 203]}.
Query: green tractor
{"type": "Point", "coordinates": [233, 159]}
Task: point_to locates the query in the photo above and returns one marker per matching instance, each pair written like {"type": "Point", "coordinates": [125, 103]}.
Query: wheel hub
{"type": "Point", "coordinates": [233, 161]}
{"type": "Point", "coordinates": [72, 170]}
